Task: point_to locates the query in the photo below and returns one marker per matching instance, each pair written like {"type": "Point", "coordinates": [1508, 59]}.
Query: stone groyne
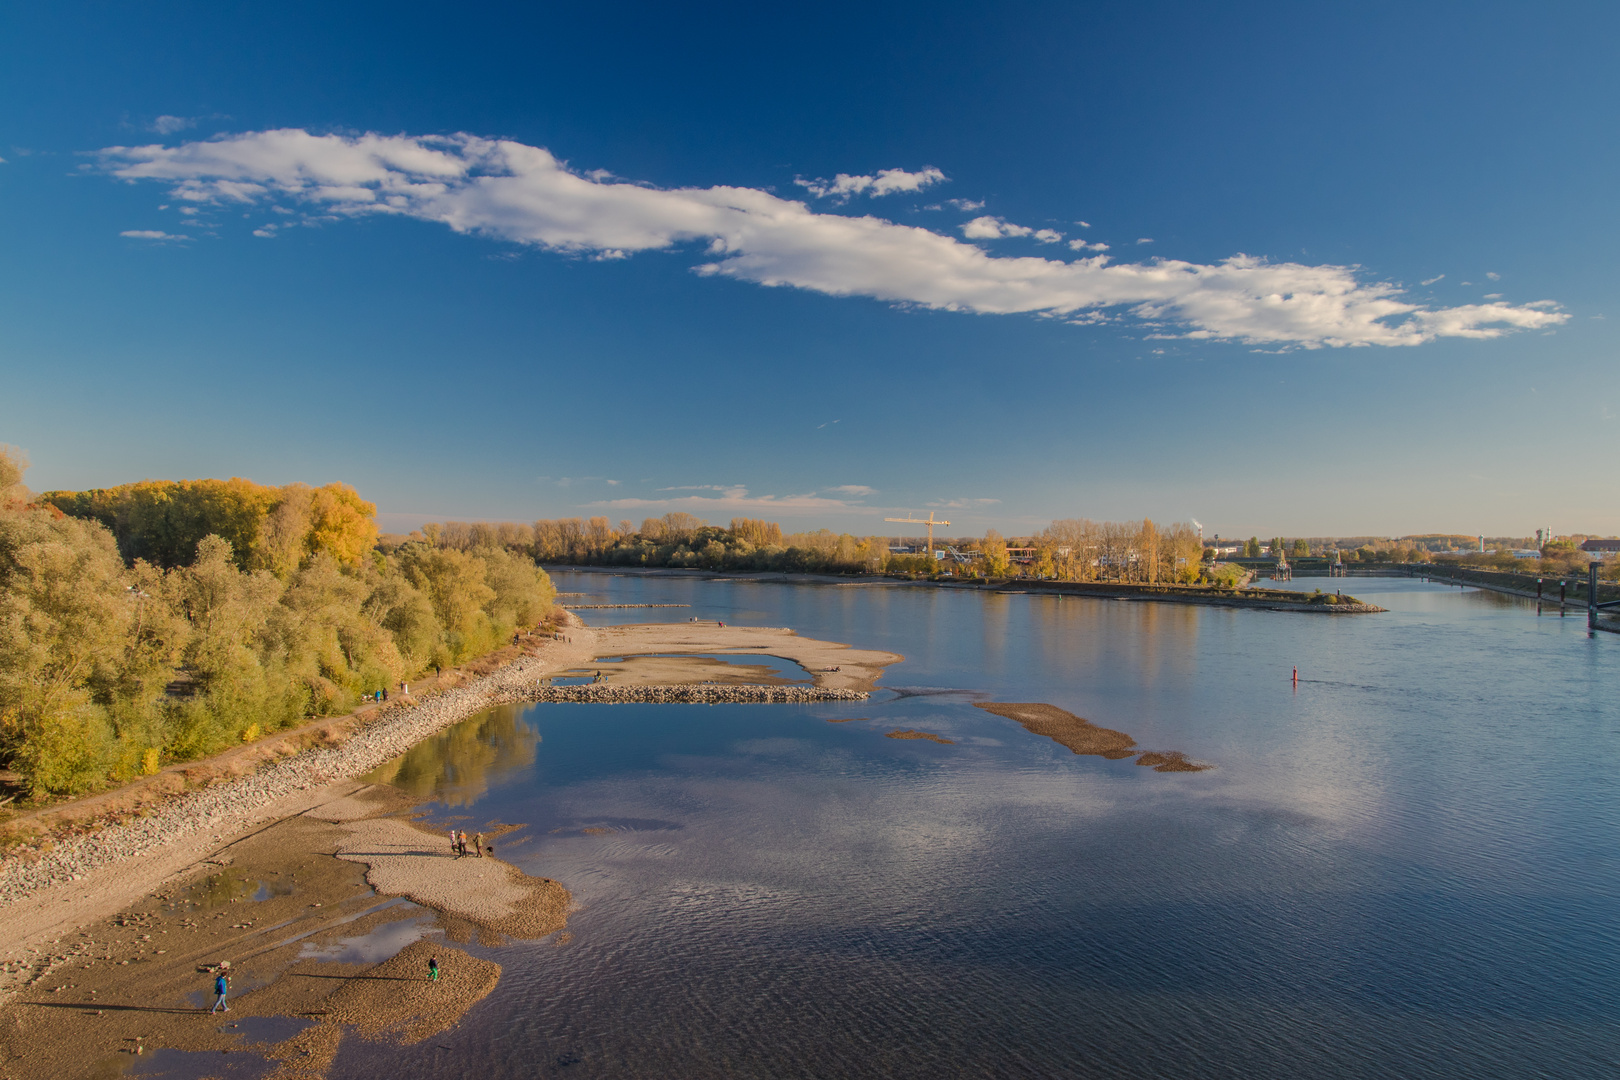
{"type": "Point", "coordinates": [746, 694]}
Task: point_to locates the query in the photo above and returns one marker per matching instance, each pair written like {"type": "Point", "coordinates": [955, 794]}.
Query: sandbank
{"type": "Point", "coordinates": [1083, 737]}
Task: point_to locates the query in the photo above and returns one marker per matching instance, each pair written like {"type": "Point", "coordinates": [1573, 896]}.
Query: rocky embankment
{"type": "Point", "coordinates": [227, 807]}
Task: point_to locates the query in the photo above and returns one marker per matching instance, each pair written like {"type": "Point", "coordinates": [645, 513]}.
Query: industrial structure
{"type": "Point", "coordinates": [928, 521]}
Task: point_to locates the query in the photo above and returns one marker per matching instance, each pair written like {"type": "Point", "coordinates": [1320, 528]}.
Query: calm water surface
{"type": "Point", "coordinates": [1404, 867]}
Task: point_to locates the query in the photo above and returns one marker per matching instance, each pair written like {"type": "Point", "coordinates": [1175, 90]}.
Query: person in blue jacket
{"type": "Point", "coordinates": [222, 986]}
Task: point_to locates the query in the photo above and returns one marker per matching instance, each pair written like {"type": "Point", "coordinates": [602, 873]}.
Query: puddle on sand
{"type": "Point", "coordinates": [381, 944]}
{"type": "Point", "coordinates": [242, 1064]}
{"type": "Point", "coordinates": [227, 886]}
{"type": "Point", "coordinates": [171, 1064]}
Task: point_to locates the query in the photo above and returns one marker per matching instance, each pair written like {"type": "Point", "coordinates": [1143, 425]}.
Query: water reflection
{"type": "Point", "coordinates": [457, 766]}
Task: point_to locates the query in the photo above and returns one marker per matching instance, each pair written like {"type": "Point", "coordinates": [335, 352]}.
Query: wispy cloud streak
{"type": "Point", "coordinates": [523, 194]}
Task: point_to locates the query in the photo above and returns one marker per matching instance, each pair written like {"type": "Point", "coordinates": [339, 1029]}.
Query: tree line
{"type": "Point", "coordinates": [1072, 549]}
{"type": "Point", "coordinates": [164, 621]}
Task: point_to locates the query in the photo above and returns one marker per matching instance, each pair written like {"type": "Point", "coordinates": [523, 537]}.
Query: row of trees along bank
{"type": "Point", "coordinates": [1070, 550]}
{"type": "Point", "coordinates": [164, 621]}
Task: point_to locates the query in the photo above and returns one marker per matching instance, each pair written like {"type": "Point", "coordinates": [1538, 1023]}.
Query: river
{"type": "Point", "coordinates": [1404, 865]}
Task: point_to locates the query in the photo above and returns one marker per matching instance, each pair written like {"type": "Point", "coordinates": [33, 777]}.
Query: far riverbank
{"type": "Point", "coordinates": [1256, 599]}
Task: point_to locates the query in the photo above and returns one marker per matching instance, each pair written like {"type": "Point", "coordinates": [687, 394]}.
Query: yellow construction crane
{"type": "Point", "coordinates": [928, 521]}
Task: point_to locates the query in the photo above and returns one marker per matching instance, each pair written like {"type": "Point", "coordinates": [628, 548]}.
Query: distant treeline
{"type": "Point", "coordinates": [674, 540]}
{"type": "Point", "coordinates": [1074, 550]}
{"type": "Point", "coordinates": [162, 621]}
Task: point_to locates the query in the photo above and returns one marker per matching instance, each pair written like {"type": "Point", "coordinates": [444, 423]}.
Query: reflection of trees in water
{"type": "Point", "coordinates": [458, 765]}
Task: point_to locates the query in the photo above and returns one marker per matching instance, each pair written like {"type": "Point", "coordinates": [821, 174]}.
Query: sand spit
{"type": "Point", "coordinates": [831, 664]}
{"type": "Point", "coordinates": [392, 1001]}
{"type": "Point", "coordinates": [1065, 728]}
{"type": "Point", "coordinates": [404, 860]}
{"type": "Point", "coordinates": [930, 736]}
{"type": "Point", "coordinates": [1084, 737]}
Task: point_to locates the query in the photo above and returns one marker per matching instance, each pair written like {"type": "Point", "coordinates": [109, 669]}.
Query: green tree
{"type": "Point", "coordinates": [994, 547]}
{"type": "Point", "coordinates": [64, 618]}
{"type": "Point", "coordinates": [1251, 549]}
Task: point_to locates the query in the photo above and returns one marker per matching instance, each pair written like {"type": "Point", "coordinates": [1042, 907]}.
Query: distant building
{"type": "Point", "coordinates": [1527, 553]}
{"type": "Point", "coordinates": [1605, 548]}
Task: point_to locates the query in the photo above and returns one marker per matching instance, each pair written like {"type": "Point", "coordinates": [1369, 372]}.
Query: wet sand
{"type": "Point", "coordinates": [295, 926]}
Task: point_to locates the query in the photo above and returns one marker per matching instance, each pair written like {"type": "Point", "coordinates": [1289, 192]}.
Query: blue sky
{"type": "Point", "coordinates": [827, 265]}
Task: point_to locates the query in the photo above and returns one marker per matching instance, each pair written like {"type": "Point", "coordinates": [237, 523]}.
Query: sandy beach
{"type": "Point", "coordinates": [113, 935]}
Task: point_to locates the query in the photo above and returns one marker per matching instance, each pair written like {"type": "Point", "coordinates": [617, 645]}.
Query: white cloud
{"type": "Point", "coordinates": [1493, 275]}
{"type": "Point", "coordinates": [151, 234]}
{"type": "Point", "coordinates": [168, 125]}
{"type": "Point", "coordinates": [1084, 224]}
{"type": "Point", "coordinates": [854, 491]}
{"type": "Point", "coordinates": [733, 499]}
{"type": "Point", "coordinates": [1144, 239]}
{"type": "Point", "coordinates": [886, 182]}
{"type": "Point", "coordinates": [967, 205]}
{"type": "Point", "coordinates": [1081, 245]}
{"type": "Point", "coordinates": [964, 504]}
{"type": "Point", "coordinates": [523, 194]}
{"type": "Point", "coordinates": [1432, 280]}
{"type": "Point", "coordinates": [991, 228]}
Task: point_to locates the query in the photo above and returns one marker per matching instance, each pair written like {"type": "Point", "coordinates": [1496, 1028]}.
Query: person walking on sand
{"type": "Point", "coordinates": [453, 844]}
{"type": "Point", "coordinates": [433, 969]}
{"type": "Point", "coordinates": [478, 844]}
{"type": "Point", "coordinates": [222, 986]}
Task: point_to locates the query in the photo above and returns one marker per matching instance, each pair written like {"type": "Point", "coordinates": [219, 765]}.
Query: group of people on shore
{"type": "Point", "coordinates": [459, 843]}
{"type": "Point", "coordinates": [380, 696]}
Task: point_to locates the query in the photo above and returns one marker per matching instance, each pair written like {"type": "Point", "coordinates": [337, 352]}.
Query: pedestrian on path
{"type": "Point", "coordinates": [478, 844]}
{"type": "Point", "coordinates": [433, 969]}
{"type": "Point", "coordinates": [452, 841]}
{"type": "Point", "coordinates": [222, 986]}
